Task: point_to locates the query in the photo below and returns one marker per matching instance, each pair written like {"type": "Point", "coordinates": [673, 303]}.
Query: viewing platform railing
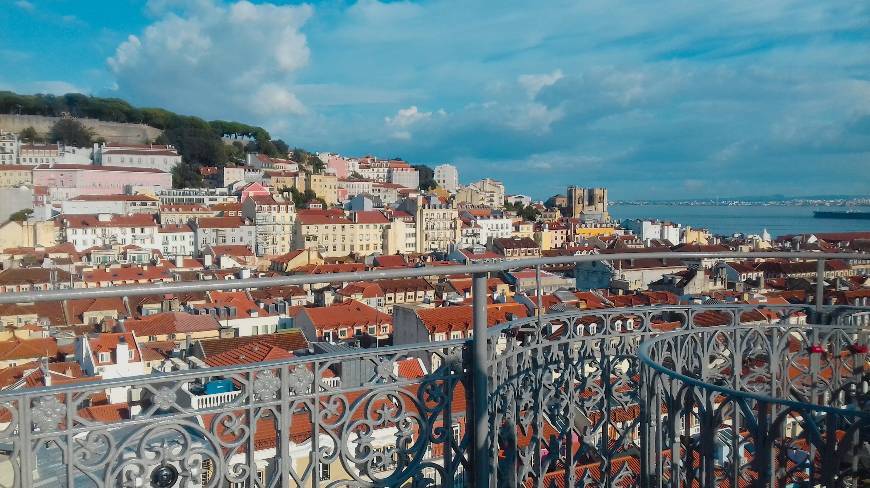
{"type": "Point", "coordinates": [721, 394]}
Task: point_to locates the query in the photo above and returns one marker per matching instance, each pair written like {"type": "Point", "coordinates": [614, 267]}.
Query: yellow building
{"type": "Point", "coordinates": [286, 179]}
{"type": "Point", "coordinates": [336, 235]}
{"type": "Point", "coordinates": [696, 236]}
{"type": "Point", "coordinates": [594, 231]}
{"type": "Point", "coordinates": [29, 234]}
{"type": "Point", "coordinates": [324, 186]}
{"type": "Point", "coordinates": [523, 228]}
{"type": "Point", "coordinates": [15, 175]}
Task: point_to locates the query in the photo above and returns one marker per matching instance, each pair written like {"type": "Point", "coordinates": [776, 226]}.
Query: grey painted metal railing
{"type": "Point", "coordinates": [560, 396]}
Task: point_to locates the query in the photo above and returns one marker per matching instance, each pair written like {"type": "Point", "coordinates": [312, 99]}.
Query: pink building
{"type": "Point", "coordinates": [65, 181]}
{"type": "Point", "coordinates": [338, 165]}
{"type": "Point", "coordinates": [254, 189]}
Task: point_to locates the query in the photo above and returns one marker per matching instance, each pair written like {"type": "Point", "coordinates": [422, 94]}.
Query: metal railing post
{"type": "Point", "coordinates": [820, 286]}
{"type": "Point", "coordinates": [481, 383]}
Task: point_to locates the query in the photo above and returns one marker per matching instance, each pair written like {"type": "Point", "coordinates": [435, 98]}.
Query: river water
{"type": "Point", "coordinates": [727, 220]}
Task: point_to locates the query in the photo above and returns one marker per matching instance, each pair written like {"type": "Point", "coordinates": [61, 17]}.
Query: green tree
{"type": "Point", "coordinates": [28, 134]}
{"type": "Point", "coordinates": [21, 215]}
{"type": "Point", "coordinates": [71, 132]}
{"type": "Point", "coordinates": [427, 176]}
{"type": "Point", "coordinates": [300, 199]}
{"type": "Point", "coordinates": [186, 175]}
{"type": "Point", "coordinates": [282, 147]}
{"type": "Point", "coordinates": [529, 213]}
{"type": "Point", "coordinates": [197, 145]}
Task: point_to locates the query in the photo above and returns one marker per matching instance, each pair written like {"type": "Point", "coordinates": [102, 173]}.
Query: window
{"type": "Point", "coordinates": [322, 471]}
{"type": "Point", "coordinates": [373, 329]}
{"type": "Point", "coordinates": [105, 357]}
{"type": "Point", "coordinates": [342, 333]}
{"type": "Point", "coordinates": [384, 329]}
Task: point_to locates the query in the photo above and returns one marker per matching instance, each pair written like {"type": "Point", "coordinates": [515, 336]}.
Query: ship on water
{"type": "Point", "coordinates": [845, 214]}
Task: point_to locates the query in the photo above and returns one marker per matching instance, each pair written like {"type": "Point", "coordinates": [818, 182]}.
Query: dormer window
{"type": "Point", "coordinates": [105, 357]}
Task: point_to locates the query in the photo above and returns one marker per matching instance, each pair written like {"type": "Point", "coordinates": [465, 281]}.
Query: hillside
{"type": "Point", "coordinates": [198, 141]}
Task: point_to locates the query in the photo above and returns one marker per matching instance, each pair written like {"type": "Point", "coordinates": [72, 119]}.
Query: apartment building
{"type": "Point", "coordinates": [324, 186]}
{"type": "Point", "coordinates": [447, 177]}
{"type": "Point", "coordinates": [12, 175]}
{"type": "Point", "coordinates": [85, 231]}
{"type": "Point", "coordinates": [155, 156]}
{"type": "Point", "coordinates": [216, 231]}
{"type": "Point", "coordinates": [437, 223]}
{"type": "Point", "coordinates": [273, 218]}
{"type": "Point", "coordinates": [335, 234]}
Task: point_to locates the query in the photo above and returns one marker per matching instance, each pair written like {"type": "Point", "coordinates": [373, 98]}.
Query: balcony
{"type": "Point", "coordinates": [666, 395]}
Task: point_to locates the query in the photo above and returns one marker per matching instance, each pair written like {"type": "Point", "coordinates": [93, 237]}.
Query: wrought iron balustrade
{"type": "Point", "coordinates": [761, 405]}
{"type": "Point", "coordinates": [606, 397]}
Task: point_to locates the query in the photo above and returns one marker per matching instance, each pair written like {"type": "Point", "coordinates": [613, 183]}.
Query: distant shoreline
{"type": "Point", "coordinates": [740, 203]}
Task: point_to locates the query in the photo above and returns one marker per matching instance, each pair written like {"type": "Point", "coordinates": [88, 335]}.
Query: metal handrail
{"type": "Point", "coordinates": [225, 370]}
{"type": "Point", "coordinates": [479, 268]}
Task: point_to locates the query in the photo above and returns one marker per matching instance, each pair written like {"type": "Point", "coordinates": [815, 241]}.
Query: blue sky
{"type": "Point", "coordinates": [652, 99]}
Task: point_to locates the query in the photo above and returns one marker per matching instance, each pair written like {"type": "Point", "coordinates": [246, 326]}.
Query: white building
{"type": "Point", "coordinates": [156, 156]}
{"type": "Point", "coordinates": [274, 222]}
{"type": "Point", "coordinates": [177, 240]}
{"type": "Point", "coordinates": [654, 229]}
{"type": "Point", "coordinates": [85, 231]}
{"type": "Point", "coordinates": [219, 231]}
{"type": "Point", "coordinates": [111, 356]}
{"type": "Point", "coordinates": [8, 148]}
{"type": "Point", "coordinates": [447, 177]}
{"type": "Point", "coordinates": [487, 192]}
{"type": "Point", "coordinates": [109, 204]}
{"type": "Point", "coordinates": [355, 186]}
{"type": "Point", "coordinates": [480, 230]}
{"type": "Point", "coordinates": [407, 177]}
{"type": "Point", "coordinates": [523, 200]}
{"type": "Point", "coordinates": [199, 196]}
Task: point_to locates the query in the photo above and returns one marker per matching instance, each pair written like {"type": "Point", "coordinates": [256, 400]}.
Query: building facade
{"type": "Point", "coordinates": [447, 177]}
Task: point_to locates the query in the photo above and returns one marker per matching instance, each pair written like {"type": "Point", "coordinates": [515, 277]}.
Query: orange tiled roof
{"type": "Point", "coordinates": [171, 323]}
{"type": "Point", "coordinates": [459, 318]}
{"type": "Point", "coordinates": [348, 314]}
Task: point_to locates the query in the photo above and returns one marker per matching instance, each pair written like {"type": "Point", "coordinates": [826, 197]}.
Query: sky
{"type": "Point", "coordinates": [655, 100]}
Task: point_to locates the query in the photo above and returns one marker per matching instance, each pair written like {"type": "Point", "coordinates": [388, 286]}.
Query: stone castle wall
{"type": "Point", "coordinates": [110, 131]}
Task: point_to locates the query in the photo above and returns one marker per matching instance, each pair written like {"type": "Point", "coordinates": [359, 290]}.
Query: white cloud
{"type": "Point", "coordinates": [215, 60]}
{"type": "Point", "coordinates": [405, 118]}
{"type": "Point", "coordinates": [55, 87]}
{"type": "Point", "coordinates": [534, 83]}
{"type": "Point", "coordinates": [25, 5]}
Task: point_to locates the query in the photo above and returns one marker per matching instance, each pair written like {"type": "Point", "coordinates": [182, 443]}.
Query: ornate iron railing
{"type": "Point", "coordinates": [764, 405]}
{"type": "Point", "coordinates": [560, 399]}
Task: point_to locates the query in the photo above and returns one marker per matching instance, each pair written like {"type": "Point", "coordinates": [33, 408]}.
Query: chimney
{"type": "Point", "coordinates": [179, 261]}
{"type": "Point", "coordinates": [207, 260]}
{"type": "Point", "coordinates": [122, 351]}
{"type": "Point", "coordinates": [46, 373]}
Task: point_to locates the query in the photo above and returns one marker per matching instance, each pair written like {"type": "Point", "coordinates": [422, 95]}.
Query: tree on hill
{"type": "Point", "coordinates": [282, 147]}
{"type": "Point", "coordinates": [304, 157]}
{"type": "Point", "coordinates": [186, 175]}
{"type": "Point", "coordinates": [427, 176]}
{"type": "Point", "coordinates": [302, 198]}
{"type": "Point", "coordinates": [196, 145]}
{"type": "Point", "coordinates": [71, 132]}
{"type": "Point", "coordinates": [21, 215]}
{"type": "Point", "coordinates": [29, 134]}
